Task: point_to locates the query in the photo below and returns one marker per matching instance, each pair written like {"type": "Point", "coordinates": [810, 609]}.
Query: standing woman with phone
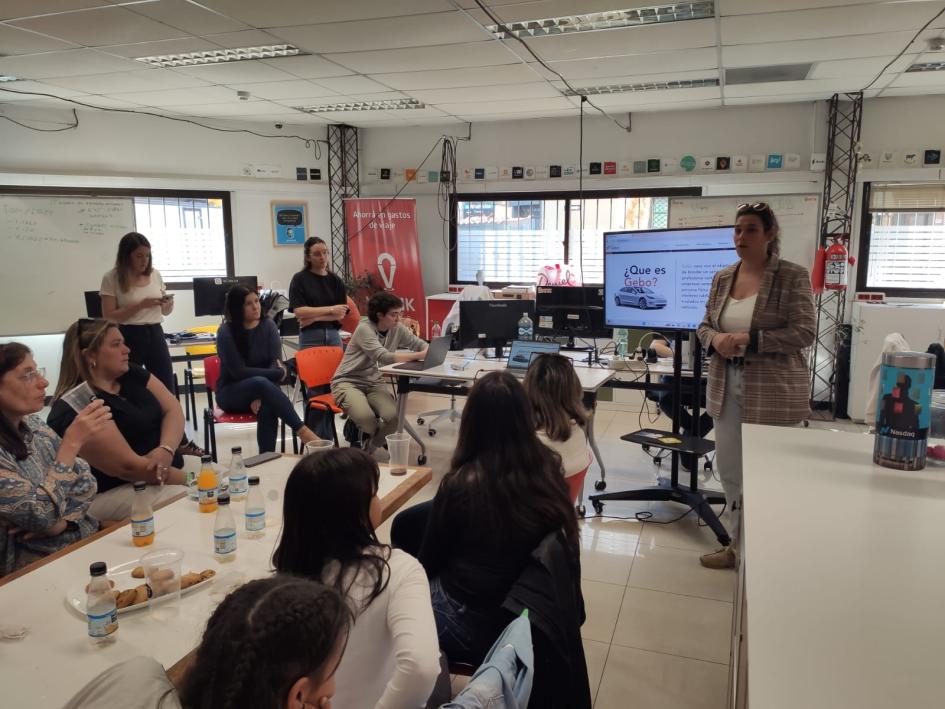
{"type": "Point", "coordinates": [134, 296]}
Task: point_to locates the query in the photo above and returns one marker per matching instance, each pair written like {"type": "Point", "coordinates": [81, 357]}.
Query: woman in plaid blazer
{"type": "Point", "coordinates": [759, 320]}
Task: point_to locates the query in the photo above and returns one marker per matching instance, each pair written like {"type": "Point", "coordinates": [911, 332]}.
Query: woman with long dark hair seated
{"type": "Point", "coordinates": [394, 634]}
{"type": "Point", "coordinates": [503, 494]}
{"type": "Point", "coordinates": [251, 369]}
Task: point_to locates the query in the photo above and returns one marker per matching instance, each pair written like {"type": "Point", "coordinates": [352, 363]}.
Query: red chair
{"type": "Point", "coordinates": [316, 366]}
{"type": "Point", "coordinates": [213, 415]}
{"type": "Point", "coordinates": [350, 321]}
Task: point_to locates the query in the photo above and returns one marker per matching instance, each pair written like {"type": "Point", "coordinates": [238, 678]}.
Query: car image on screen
{"type": "Point", "coordinates": [639, 297]}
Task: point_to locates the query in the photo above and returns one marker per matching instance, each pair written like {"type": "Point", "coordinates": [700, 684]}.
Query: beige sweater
{"type": "Point", "coordinates": [368, 350]}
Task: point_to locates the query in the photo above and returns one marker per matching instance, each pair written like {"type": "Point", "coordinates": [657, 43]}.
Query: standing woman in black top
{"type": "Point", "coordinates": [318, 298]}
{"type": "Point", "coordinates": [134, 296]}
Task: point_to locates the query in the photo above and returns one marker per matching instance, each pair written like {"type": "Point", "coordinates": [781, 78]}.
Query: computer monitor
{"type": "Point", "coordinates": [93, 304]}
{"type": "Point", "coordinates": [492, 323]}
{"type": "Point", "coordinates": [566, 311]}
{"type": "Point", "coordinates": [210, 293]}
{"type": "Point", "coordinates": [660, 279]}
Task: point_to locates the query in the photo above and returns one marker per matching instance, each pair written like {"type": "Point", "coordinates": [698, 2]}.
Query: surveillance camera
{"type": "Point", "coordinates": [278, 126]}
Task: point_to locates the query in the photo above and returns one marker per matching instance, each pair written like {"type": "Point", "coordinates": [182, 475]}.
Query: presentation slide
{"type": "Point", "coordinates": [661, 279]}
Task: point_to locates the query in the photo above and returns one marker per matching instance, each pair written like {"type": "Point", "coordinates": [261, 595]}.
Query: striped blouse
{"type": "Point", "coordinates": [36, 492]}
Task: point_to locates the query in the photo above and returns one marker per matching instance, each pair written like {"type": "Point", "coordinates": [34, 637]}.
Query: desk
{"type": "Point", "coordinates": [843, 565]}
{"type": "Point", "coordinates": [55, 660]}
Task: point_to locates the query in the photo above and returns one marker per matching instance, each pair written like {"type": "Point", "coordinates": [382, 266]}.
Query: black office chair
{"type": "Point", "coordinates": [93, 304]}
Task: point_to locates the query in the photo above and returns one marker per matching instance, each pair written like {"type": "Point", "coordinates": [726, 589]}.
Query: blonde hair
{"type": "Point", "coordinates": [84, 335]}
{"type": "Point", "coordinates": [556, 396]}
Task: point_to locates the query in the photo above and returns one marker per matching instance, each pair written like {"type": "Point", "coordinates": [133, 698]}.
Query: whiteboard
{"type": "Point", "coordinates": [797, 214]}
{"type": "Point", "coordinates": [52, 250]}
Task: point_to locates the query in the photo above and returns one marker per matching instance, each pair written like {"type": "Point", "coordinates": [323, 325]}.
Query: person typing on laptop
{"type": "Point", "coordinates": [358, 386]}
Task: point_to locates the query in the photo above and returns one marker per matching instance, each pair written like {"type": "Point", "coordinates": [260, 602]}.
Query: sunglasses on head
{"type": "Point", "coordinates": [756, 207]}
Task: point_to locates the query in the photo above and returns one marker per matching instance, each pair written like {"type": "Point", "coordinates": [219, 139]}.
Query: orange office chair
{"type": "Point", "coordinates": [351, 320]}
{"type": "Point", "coordinates": [316, 366]}
{"type": "Point", "coordinates": [213, 415]}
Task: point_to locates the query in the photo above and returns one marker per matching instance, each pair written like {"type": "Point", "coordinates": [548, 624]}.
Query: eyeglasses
{"type": "Point", "coordinates": [756, 207]}
{"type": "Point", "coordinates": [30, 375]}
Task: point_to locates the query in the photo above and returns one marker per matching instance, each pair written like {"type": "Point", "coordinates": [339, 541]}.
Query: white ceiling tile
{"type": "Point", "coordinates": [631, 99]}
{"type": "Point", "coordinates": [487, 93]}
{"type": "Point", "coordinates": [867, 66]}
{"type": "Point", "coordinates": [381, 96]}
{"type": "Point", "coordinates": [748, 7]}
{"type": "Point", "coordinates": [920, 78]}
{"type": "Point", "coordinates": [629, 40]}
{"type": "Point", "coordinates": [303, 12]}
{"type": "Point", "coordinates": [153, 49]}
{"type": "Point", "coordinates": [10, 9]}
{"type": "Point", "coordinates": [421, 58]}
{"type": "Point", "coordinates": [109, 102]}
{"type": "Point", "coordinates": [451, 78]}
{"type": "Point", "coordinates": [124, 81]}
{"type": "Point", "coordinates": [179, 97]}
{"type": "Point", "coordinates": [814, 50]}
{"type": "Point", "coordinates": [24, 90]}
{"type": "Point", "coordinates": [913, 91]}
{"type": "Point", "coordinates": [245, 38]}
{"type": "Point", "coordinates": [826, 22]}
{"type": "Point", "coordinates": [538, 104]}
{"type": "Point", "coordinates": [19, 41]}
{"type": "Point", "coordinates": [786, 88]}
{"type": "Point", "coordinates": [389, 33]}
{"type": "Point", "coordinates": [242, 72]}
{"type": "Point", "coordinates": [101, 26]}
{"type": "Point", "coordinates": [518, 11]}
{"type": "Point", "coordinates": [187, 16]}
{"type": "Point", "coordinates": [234, 108]}
{"type": "Point", "coordinates": [73, 62]}
{"type": "Point", "coordinates": [650, 63]}
{"type": "Point", "coordinates": [352, 85]}
{"type": "Point", "coordinates": [307, 67]}
{"type": "Point", "coordinates": [295, 89]}
{"type": "Point", "coordinates": [642, 78]}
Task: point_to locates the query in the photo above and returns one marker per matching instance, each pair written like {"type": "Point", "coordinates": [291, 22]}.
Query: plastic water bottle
{"type": "Point", "coordinates": [237, 475]}
{"type": "Point", "coordinates": [525, 328]}
{"type": "Point", "coordinates": [437, 330]}
{"type": "Point", "coordinates": [255, 510]}
{"type": "Point", "coordinates": [100, 609]}
{"type": "Point", "coordinates": [224, 531]}
{"type": "Point", "coordinates": [621, 337]}
{"type": "Point", "coordinates": [142, 517]}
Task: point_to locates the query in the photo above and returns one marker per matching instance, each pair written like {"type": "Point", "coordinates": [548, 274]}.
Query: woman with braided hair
{"type": "Point", "coordinates": [273, 643]}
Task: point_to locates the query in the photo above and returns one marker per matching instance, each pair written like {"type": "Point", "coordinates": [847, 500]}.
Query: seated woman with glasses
{"type": "Point", "coordinates": [251, 369]}
{"type": "Point", "coordinates": [45, 488]}
{"type": "Point", "coordinates": [148, 423]}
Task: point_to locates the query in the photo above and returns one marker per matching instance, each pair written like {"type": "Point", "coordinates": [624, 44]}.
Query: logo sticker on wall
{"type": "Point", "coordinates": [687, 163]}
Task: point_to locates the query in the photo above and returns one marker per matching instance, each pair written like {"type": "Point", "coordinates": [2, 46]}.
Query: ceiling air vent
{"type": "Point", "coordinates": [766, 74]}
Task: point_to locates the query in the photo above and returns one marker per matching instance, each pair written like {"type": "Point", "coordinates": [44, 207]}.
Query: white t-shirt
{"type": "Point", "coordinates": [392, 658]}
{"type": "Point", "coordinates": [575, 453]}
{"type": "Point", "coordinates": [154, 289]}
{"type": "Point", "coordinates": [736, 316]}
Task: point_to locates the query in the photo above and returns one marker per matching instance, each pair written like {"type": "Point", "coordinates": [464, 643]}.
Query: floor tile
{"type": "Point", "coordinates": [691, 627]}
{"type": "Point", "coordinates": [607, 552]}
{"type": "Point", "coordinates": [650, 680]}
{"type": "Point", "coordinates": [678, 571]}
{"type": "Point", "coordinates": [602, 605]}
{"type": "Point", "coordinates": [686, 533]}
{"type": "Point", "coordinates": [595, 654]}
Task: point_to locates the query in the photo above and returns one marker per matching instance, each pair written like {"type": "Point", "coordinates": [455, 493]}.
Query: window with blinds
{"type": "Point", "coordinates": [902, 251]}
{"type": "Point", "coordinates": [511, 240]}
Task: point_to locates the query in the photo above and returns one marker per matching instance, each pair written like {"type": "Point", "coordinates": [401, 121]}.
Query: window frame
{"type": "Point", "coordinates": [863, 253]}
{"type": "Point", "coordinates": [567, 195]}
{"type": "Point", "coordinates": [131, 194]}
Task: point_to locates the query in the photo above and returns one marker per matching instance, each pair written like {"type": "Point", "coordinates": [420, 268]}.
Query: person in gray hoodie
{"type": "Point", "coordinates": [358, 386]}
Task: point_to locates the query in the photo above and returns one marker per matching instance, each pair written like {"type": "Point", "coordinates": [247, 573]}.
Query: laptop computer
{"type": "Point", "coordinates": [436, 355]}
{"type": "Point", "coordinates": [524, 351]}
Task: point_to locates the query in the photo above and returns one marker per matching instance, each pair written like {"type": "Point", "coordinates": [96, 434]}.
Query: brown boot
{"type": "Point", "coordinates": [724, 558]}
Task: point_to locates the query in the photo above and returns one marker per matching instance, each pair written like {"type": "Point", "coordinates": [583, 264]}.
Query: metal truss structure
{"type": "Point", "coordinates": [343, 182]}
{"type": "Point", "coordinates": [844, 122]}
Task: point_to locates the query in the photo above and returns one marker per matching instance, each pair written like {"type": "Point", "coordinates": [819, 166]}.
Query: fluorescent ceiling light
{"type": "Point", "coordinates": [220, 56]}
{"type": "Point", "coordinates": [927, 66]}
{"type": "Point", "coordinates": [646, 86]}
{"type": "Point", "coordinates": [399, 104]}
{"type": "Point", "coordinates": [612, 19]}
{"type": "Point", "coordinates": [4, 78]}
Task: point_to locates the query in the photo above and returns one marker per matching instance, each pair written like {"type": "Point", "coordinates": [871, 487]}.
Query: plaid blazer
{"type": "Point", "coordinates": [783, 324]}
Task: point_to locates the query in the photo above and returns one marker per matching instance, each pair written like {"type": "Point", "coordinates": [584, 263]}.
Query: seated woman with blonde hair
{"type": "Point", "coordinates": [141, 442]}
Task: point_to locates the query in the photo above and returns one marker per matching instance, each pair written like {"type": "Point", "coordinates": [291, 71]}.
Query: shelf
{"type": "Point", "coordinates": [687, 444]}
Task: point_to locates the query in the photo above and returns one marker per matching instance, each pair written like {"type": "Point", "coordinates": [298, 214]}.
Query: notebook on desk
{"type": "Point", "coordinates": [524, 351]}
{"type": "Point", "coordinates": [436, 355]}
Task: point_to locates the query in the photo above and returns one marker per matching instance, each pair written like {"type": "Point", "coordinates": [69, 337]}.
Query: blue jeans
{"type": "Point", "coordinates": [319, 421]}
{"type": "Point", "coordinates": [465, 633]}
{"type": "Point", "coordinates": [237, 396]}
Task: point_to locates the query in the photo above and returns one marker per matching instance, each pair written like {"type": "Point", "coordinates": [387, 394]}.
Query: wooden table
{"type": "Point", "coordinates": [55, 660]}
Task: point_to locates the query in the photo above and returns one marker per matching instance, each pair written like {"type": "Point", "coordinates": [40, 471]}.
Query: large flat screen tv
{"type": "Point", "coordinates": [660, 279]}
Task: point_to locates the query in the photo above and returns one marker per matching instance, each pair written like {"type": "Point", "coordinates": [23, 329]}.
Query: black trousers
{"type": "Point", "coordinates": [149, 349]}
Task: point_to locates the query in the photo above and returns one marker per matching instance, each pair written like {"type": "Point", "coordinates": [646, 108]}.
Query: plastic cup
{"type": "Point", "coordinates": [78, 397]}
{"type": "Point", "coordinates": [317, 447]}
{"type": "Point", "coordinates": [162, 569]}
{"type": "Point", "coordinates": [398, 445]}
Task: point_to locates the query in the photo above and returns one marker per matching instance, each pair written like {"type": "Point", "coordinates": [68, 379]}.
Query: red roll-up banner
{"type": "Point", "coordinates": [382, 240]}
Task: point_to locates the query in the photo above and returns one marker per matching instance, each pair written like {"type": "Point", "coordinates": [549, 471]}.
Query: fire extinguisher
{"type": "Point", "coordinates": [835, 270]}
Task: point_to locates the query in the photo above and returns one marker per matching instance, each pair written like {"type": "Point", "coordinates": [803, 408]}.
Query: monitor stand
{"type": "Point", "coordinates": [570, 346]}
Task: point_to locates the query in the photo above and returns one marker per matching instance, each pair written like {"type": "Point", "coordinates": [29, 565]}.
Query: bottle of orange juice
{"type": "Point", "coordinates": [207, 486]}
{"type": "Point", "coordinates": [142, 517]}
